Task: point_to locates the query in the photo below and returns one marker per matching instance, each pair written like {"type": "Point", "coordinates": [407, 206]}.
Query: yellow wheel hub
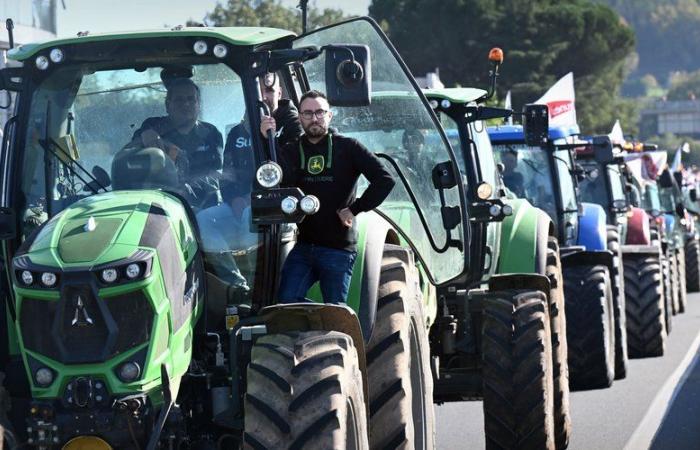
{"type": "Point", "coordinates": [87, 443]}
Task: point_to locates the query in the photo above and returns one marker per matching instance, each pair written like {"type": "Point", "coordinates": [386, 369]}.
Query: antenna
{"type": "Point", "coordinates": [10, 25]}
{"type": "Point", "coordinates": [303, 5]}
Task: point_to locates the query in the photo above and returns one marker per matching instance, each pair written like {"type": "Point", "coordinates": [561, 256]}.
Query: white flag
{"type": "Point", "coordinates": [677, 163]}
{"type": "Point", "coordinates": [616, 135]}
{"type": "Point", "coordinates": [561, 100]}
{"type": "Point", "coordinates": [508, 105]}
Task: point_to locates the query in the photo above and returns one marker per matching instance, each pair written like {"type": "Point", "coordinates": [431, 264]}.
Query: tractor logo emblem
{"type": "Point", "coordinates": [316, 165]}
{"type": "Point", "coordinates": [80, 310]}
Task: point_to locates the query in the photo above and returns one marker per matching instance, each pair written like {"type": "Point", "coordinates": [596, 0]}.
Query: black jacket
{"type": "Point", "coordinates": [333, 179]}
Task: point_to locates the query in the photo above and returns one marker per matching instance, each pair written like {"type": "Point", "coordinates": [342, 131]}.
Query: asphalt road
{"type": "Point", "coordinates": [657, 406]}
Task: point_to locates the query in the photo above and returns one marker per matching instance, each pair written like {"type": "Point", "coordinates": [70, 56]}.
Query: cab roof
{"type": "Point", "coordinates": [456, 95]}
{"type": "Point", "coordinates": [236, 36]}
{"type": "Point", "coordinates": [510, 133]}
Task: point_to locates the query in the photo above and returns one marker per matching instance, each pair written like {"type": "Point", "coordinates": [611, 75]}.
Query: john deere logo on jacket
{"type": "Point", "coordinates": [316, 165]}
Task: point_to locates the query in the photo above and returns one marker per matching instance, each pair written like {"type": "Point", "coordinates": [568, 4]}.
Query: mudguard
{"type": "Point", "coordinates": [588, 258]}
{"type": "Point", "coordinates": [591, 227]}
{"type": "Point", "coordinates": [524, 235]}
{"type": "Point", "coordinates": [313, 316]}
{"type": "Point", "coordinates": [638, 232]}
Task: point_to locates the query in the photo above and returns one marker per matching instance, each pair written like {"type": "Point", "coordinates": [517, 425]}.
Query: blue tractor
{"type": "Point", "coordinates": [546, 176]}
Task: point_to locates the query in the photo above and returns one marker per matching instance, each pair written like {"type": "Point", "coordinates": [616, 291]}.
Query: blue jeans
{"type": "Point", "coordinates": [307, 264]}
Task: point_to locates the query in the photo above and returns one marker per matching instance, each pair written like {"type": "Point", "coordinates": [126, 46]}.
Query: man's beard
{"type": "Point", "coordinates": [316, 130]}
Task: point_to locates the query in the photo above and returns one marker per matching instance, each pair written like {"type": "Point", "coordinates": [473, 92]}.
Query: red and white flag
{"type": "Point", "coordinates": [561, 100]}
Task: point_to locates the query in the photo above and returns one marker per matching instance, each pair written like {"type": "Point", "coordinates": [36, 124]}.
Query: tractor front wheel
{"type": "Point", "coordinates": [305, 390]}
{"type": "Point", "coordinates": [646, 324]}
{"type": "Point", "coordinates": [692, 265]}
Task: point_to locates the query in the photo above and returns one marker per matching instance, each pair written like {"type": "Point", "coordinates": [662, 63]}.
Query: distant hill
{"type": "Point", "coordinates": [668, 33]}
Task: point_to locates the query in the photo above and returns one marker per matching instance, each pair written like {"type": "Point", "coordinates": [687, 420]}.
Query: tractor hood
{"type": "Point", "coordinates": [107, 227]}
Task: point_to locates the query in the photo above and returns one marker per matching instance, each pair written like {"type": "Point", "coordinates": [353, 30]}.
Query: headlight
{"type": "Point", "coordinates": [57, 55]}
{"type": "Point", "coordinates": [269, 174]}
{"type": "Point", "coordinates": [42, 62]}
{"type": "Point", "coordinates": [43, 377]}
{"type": "Point", "coordinates": [484, 190]}
{"type": "Point", "coordinates": [133, 270]}
{"type": "Point", "coordinates": [200, 47]}
{"type": "Point", "coordinates": [109, 275]}
{"type": "Point", "coordinates": [310, 204]}
{"type": "Point", "coordinates": [27, 277]}
{"type": "Point", "coordinates": [289, 205]}
{"type": "Point", "coordinates": [495, 210]}
{"type": "Point", "coordinates": [129, 371]}
{"type": "Point", "coordinates": [48, 279]}
{"type": "Point", "coordinates": [507, 210]}
{"type": "Point", "coordinates": [220, 51]}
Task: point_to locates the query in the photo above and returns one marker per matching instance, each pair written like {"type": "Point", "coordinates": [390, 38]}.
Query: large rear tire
{"type": "Point", "coordinates": [646, 326]}
{"type": "Point", "coordinates": [560, 352]}
{"type": "Point", "coordinates": [398, 360]}
{"type": "Point", "coordinates": [692, 265]}
{"type": "Point", "coordinates": [517, 374]}
{"type": "Point", "coordinates": [618, 293]}
{"type": "Point", "coordinates": [680, 280]}
{"type": "Point", "coordinates": [305, 390]}
{"type": "Point", "coordinates": [590, 332]}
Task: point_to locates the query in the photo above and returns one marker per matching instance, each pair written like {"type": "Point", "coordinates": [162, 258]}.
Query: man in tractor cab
{"type": "Point", "coordinates": [328, 166]}
{"type": "Point", "coordinates": [512, 178]}
{"type": "Point", "coordinates": [196, 147]}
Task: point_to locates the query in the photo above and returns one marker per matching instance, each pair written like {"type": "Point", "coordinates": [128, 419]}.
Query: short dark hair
{"type": "Point", "coordinates": [313, 93]}
{"type": "Point", "coordinates": [174, 83]}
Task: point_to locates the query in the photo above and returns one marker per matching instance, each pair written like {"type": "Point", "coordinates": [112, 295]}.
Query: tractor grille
{"type": "Point", "coordinates": [81, 328]}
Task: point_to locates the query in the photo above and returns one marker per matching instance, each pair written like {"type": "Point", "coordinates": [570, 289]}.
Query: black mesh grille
{"type": "Point", "coordinates": [80, 329]}
{"type": "Point", "coordinates": [134, 319]}
{"type": "Point", "coordinates": [36, 319]}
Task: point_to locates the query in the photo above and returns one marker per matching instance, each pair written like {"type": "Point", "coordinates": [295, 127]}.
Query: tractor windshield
{"type": "Point", "coordinates": [398, 126]}
{"type": "Point", "coordinates": [92, 130]}
{"type": "Point", "coordinates": [527, 174]}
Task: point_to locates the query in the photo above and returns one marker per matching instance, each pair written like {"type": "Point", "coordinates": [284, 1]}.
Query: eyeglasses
{"type": "Point", "coordinates": [319, 113]}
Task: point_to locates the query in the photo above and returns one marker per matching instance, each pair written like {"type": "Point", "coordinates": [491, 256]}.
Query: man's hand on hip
{"type": "Point", "coordinates": [346, 216]}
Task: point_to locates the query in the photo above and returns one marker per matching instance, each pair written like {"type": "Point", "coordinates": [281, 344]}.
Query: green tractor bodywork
{"type": "Point", "coordinates": [143, 320]}
{"type": "Point", "coordinates": [135, 323]}
{"type": "Point", "coordinates": [512, 247]}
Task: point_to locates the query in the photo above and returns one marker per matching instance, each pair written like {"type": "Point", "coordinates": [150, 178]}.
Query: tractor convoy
{"type": "Point", "coordinates": [509, 263]}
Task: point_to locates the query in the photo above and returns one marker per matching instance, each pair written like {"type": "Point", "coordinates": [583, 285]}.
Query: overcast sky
{"type": "Point", "coordinates": [111, 15]}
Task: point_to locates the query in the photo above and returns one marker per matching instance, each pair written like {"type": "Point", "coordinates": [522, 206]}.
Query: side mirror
{"type": "Point", "coordinates": [665, 179]}
{"type": "Point", "coordinates": [536, 124]}
{"type": "Point", "coordinates": [603, 150]}
{"type": "Point", "coordinates": [8, 224]}
{"type": "Point", "coordinates": [348, 75]}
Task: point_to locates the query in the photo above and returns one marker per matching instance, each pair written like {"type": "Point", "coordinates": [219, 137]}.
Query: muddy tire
{"type": "Point", "coordinates": [692, 265]}
{"type": "Point", "coordinates": [680, 280]}
{"type": "Point", "coordinates": [646, 325]}
{"type": "Point", "coordinates": [560, 352]}
{"type": "Point", "coordinates": [618, 293]}
{"type": "Point", "coordinates": [590, 332]}
{"type": "Point", "coordinates": [517, 374]}
{"type": "Point", "coordinates": [305, 390]}
{"type": "Point", "coordinates": [398, 360]}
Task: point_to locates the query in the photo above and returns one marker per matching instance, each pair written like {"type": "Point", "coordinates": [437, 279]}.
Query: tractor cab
{"type": "Point", "coordinates": [142, 270]}
{"type": "Point", "coordinates": [542, 174]}
{"type": "Point", "coordinates": [602, 180]}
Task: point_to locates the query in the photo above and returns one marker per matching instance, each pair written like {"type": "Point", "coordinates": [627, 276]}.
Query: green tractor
{"type": "Point", "coordinates": [132, 325]}
{"type": "Point", "coordinates": [692, 240]}
{"type": "Point", "coordinates": [518, 251]}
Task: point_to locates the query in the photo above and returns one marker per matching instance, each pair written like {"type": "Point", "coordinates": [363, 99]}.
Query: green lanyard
{"type": "Point", "coordinates": [329, 156]}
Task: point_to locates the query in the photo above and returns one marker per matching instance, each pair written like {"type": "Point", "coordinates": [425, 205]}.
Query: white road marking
{"type": "Point", "coordinates": [643, 436]}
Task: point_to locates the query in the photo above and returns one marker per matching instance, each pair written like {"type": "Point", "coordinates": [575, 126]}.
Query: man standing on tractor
{"type": "Point", "coordinates": [328, 166]}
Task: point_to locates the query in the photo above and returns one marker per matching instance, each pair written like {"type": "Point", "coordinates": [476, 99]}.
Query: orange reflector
{"type": "Point", "coordinates": [496, 55]}
{"type": "Point", "coordinates": [87, 443]}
